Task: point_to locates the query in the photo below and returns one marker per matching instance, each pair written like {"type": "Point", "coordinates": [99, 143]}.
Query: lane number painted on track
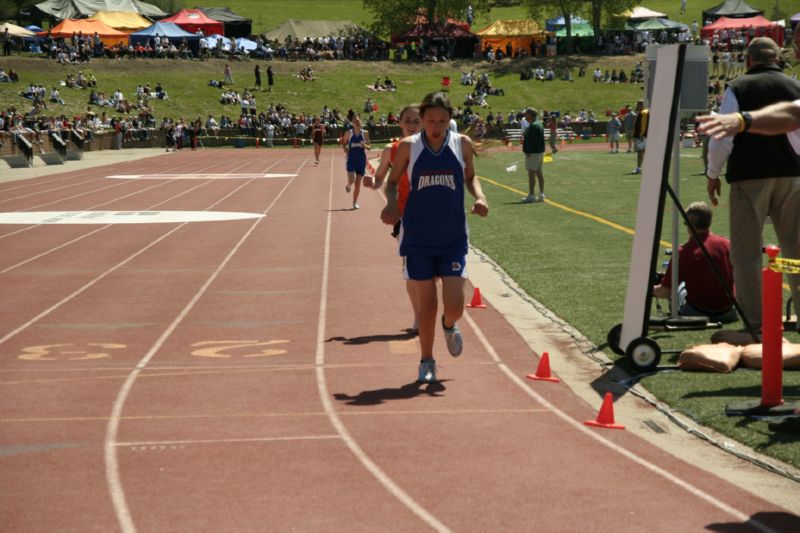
{"type": "Point", "coordinates": [121, 217]}
{"type": "Point", "coordinates": [229, 349]}
{"type": "Point", "coordinates": [103, 350]}
{"type": "Point", "coordinates": [69, 351]}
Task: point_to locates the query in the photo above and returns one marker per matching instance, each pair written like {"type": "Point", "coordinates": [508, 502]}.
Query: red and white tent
{"type": "Point", "coordinates": [192, 20]}
{"type": "Point", "coordinates": [762, 27]}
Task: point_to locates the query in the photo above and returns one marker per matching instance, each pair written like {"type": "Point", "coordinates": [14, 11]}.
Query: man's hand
{"type": "Point", "coordinates": [719, 126]}
{"type": "Point", "coordinates": [480, 207]}
{"type": "Point", "coordinates": [714, 187]}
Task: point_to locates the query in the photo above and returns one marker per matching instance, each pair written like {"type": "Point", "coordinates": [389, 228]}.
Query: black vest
{"type": "Point", "coordinates": [762, 156]}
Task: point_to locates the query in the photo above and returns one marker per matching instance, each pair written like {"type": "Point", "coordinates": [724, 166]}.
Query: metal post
{"type": "Point", "coordinates": [676, 216]}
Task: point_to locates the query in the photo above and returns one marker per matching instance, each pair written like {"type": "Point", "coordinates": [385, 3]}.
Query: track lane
{"type": "Point", "coordinates": [477, 452]}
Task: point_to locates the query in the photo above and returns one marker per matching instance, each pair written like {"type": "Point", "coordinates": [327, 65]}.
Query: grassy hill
{"type": "Point", "coordinates": [339, 84]}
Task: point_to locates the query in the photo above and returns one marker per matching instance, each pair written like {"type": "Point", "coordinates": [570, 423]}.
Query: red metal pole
{"type": "Point", "coordinates": [771, 333]}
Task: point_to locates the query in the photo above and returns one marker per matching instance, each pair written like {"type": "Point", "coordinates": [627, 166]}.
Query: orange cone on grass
{"type": "Point", "coordinates": [605, 418]}
{"type": "Point", "coordinates": [476, 300]}
{"type": "Point", "coordinates": [543, 370]}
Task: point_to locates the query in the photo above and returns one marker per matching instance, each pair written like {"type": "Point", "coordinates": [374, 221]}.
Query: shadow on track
{"type": "Point", "coordinates": [379, 396]}
{"type": "Point", "coordinates": [778, 521]}
{"type": "Point", "coordinates": [366, 339]}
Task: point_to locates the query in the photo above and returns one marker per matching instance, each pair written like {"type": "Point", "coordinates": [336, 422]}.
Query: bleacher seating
{"type": "Point", "coordinates": [59, 154]}
{"type": "Point", "coordinates": [515, 134]}
{"type": "Point", "coordinates": [75, 146]}
{"type": "Point", "coordinates": [22, 157]}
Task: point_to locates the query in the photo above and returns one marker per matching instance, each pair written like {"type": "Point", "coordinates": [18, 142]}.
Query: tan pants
{"type": "Point", "coordinates": [751, 202]}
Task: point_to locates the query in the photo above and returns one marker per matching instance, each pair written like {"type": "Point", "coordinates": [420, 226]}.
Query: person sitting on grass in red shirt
{"type": "Point", "coordinates": [699, 291]}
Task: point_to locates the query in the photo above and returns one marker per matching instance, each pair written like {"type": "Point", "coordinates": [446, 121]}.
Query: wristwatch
{"type": "Point", "coordinates": [748, 120]}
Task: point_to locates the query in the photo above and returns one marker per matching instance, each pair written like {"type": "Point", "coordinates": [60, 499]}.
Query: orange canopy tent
{"type": "Point", "coordinates": [88, 27]}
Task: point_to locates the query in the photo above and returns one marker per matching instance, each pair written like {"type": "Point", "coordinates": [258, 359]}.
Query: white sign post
{"type": "Point", "coordinates": [663, 114]}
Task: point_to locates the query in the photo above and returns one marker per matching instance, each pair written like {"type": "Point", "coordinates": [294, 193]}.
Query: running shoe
{"type": "Point", "coordinates": [529, 199]}
{"type": "Point", "coordinates": [427, 371]}
{"type": "Point", "coordinates": [355, 205]}
{"type": "Point", "coordinates": [455, 342]}
{"type": "Point", "coordinates": [540, 198]}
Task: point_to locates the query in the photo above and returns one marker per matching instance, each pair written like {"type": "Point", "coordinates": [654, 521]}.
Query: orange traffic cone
{"type": "Point", "coordinates": [543, 370]}
{"type": "Point", "coordinates": [476, 300]}
{"type": "Point", "coordinates": [605, 418]}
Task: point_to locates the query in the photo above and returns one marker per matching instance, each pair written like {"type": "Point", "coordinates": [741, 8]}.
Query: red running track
{"type": "Point", "coordinates": [255, 375]}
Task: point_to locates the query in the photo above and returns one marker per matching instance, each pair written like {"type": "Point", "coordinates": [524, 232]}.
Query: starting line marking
{"type": "Point", "coordinates": [198, 176]}
{"type": "Point", "coordinates": [121, 217]}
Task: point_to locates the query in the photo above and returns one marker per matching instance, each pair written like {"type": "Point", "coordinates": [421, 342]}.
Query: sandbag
{"type": "Point", "coordinates": [752, 354]}
{"type": "Point", "coordinates": [719, 357]}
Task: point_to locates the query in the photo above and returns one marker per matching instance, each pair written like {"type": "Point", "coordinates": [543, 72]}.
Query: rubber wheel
{"type": "Point", "coordinates": [643, 354]}
{"type": "Point", "coordinates": [613, 339]}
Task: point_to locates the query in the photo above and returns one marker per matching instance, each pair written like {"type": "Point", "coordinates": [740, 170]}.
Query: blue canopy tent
{"type": "Point", "coordinates": [560, 22]}
{"type": "Point", "coordinates": [169, 30]}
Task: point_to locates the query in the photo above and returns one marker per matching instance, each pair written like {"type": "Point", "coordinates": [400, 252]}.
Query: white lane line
{"type": "Point", "coordinates": [594, 434]}
{"type": "Point", "coordinates": [324, 394]}
{"type": "Point", "coordinates": [98, 178]}
{"type": "Point", "coordinates": [81, 237]}
{"type": "Point", "coordinates": [226, 441]}
{"type": "Point", "coordinates": [93, 191]}
{"type": "Point", "coordinates": [226, 176]}
{"type": "Point", "coordinates": [113, 479]}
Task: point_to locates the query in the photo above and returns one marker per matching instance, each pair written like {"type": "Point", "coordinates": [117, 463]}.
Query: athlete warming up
{"type": "Point", "coordinates": [433, 229]}
{"type": "Point", "coordinates": [355, 145]}
{"type": "Point", "coordinates": [410, 124]}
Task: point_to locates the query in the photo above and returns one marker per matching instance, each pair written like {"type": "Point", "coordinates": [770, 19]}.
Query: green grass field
{"type": "Point", "coordinates": [578, 268]}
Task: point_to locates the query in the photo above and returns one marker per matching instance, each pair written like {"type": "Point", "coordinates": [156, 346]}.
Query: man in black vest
{"type": "Point", "coordinates": [763, 173]}
{"type": "Point", "coordinates": [533, 148]}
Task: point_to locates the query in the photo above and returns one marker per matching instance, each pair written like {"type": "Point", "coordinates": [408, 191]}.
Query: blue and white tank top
{"type": "Point", "coordinates": [434, 221]}
{"type": "Point", "coordinates": [356, 150]}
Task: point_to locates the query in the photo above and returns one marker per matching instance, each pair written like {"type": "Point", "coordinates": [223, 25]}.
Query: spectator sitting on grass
{"type": "Point", "coordinates": [306, 74]}
{"type": "Point", "coordinates": [161, 94]}
{"type": "Point", "coordinates": [55, 97]}
{"type": "Point", "coordinates": [699, 291]}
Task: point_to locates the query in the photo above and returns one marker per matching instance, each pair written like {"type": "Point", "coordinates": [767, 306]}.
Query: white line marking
{"type": "Point", "coordinates": [111, 460]}
{"type": "Point", "coordinates": [120, 217]}
{"type": "Point", "coordinates": [738, 515]}
{"type": "Point", "coordinates": [324, 394]}
{"type": "Point", "coordinates": [249, 176]}
{"type": "Point", "coordinates": [225, 441]}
